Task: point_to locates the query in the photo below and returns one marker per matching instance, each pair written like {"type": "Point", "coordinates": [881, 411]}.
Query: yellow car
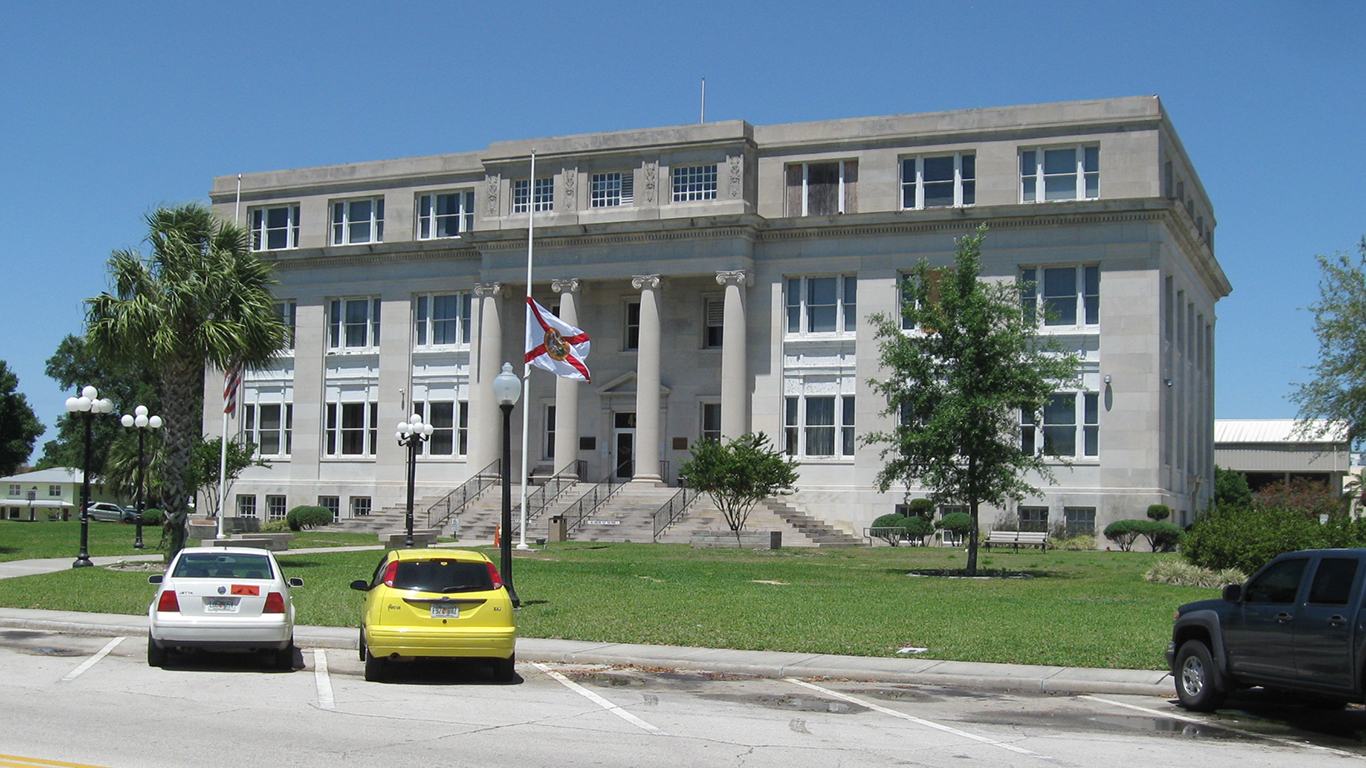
{"type": "Point", "coordinates": [436, 602]}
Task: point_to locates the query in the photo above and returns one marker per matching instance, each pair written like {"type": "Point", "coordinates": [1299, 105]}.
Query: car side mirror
{"type": "Point", "coordinates": [360, 585]}
{"type": "Point", "coordinates": [295, 581]}
{"type": "Point", "coordinates": [154, 579]}
{"type": "Point", "coordinates": [1233, 593]}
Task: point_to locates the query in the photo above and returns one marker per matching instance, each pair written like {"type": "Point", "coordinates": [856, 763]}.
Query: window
{"type": "Point", "coordinates": [1278, 584]}
{"type": "Point", "coordinates": [275, 507]}
{"type": "Point", "coordinates": [812, 424]}
{"type": "Point", "coordinates": [632, 334]}
{"type": "Point", "coordinates": [1034, 518]}
{"type": "Point", "coordinates": [54, 491]}
{"type": "Point", "coordinates": [353, 323]}
{"type": "Point", "coordinates": [358, 221]}
{"type": "Point", "coordinates": [711, 422]}
{"type": "Point", "coordinates": [908, 293]}
{"type": "Point", "coordinates": [360, 506]}
{"type": "Point", "coordinates": [287, 311]}
{"type": "Point", "coordinates": [352, 429]}
{"type": "Point", "coordinates": [275, 228]}
{"type": "Point", "coordinates": [713, 322]}
{"type": "Point", "coordinates": [1066, 173]}
{"type": "Point", "coordinates": [694, 182]}
{"type": "Point", "coordinates": [607, 190]}
{"type": "Point", "coordinates": [1067, 294]}
{"type": "Point", "coordinates": [1333, 581]}
{"type": "Point", "coordinates": [14, 489]}
{"type": "Point", "coordinates": [822, 304]}
{"type": "Point", "coordinates": [549, 449]}
{"type": "Point", "coordinates": [448, 434]}
{"type": "Point", "coordinates": [331, 504]}
{"type": "Point", "coordinates": [1080, 521]}
{"type": "Point", "coordinates": [270, 427]}
{"type": "Point", "coordinates": [246, 505]}
{"type": "Point", "coordinates": [939, 182]}
{"type": "Point", "coordinates": [1062, 429]}
{"type": "Point", "coordinates": [545, 195]}
{"type": "Point", "coordinates": [444, 214]}
{"type": "Point", "coordinates": [822, 189]}
{"type": "Point", "coordinates": [441, 319]}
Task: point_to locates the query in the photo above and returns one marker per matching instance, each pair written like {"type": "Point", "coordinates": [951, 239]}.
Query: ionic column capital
{"type": "Point", "coordinates": [565, 285]}
{"type": "Point", "coordinates": [641, 282]}
{"type": "Point", "coordinates": [734, 277]}
{"type": "Point", "coordinates": [488, 289]}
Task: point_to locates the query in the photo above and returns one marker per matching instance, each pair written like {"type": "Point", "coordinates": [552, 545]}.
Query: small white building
{"type": "Point", "coordinates": [44, 493]}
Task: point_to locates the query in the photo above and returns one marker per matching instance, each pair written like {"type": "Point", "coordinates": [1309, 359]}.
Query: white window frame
{"type": "Point", "coordinates": [331, 504]}
{"type": "Point", "coordinates": [432, 224]}
{"type": "Point", "coordinates": [798, 305]}
{"type": "Point", "coordinates": [798, 432]}
{"type": "Point", "coordinates": [359, 505]}
{"type": "Point", "coordinates": [283, 433]}
{"type": "Point", "coordinates": [1032, 517]}
{"type": "Point", "coordinates": [541, 199]}
{"type": "Point", "coordinates": [840, 191]}
{"type": "Point", "coordinates": [246, 505]}
{"type": "Point", "coordinates": [627, 326]}
{"type": "Point", "coordinates": [713, 319]}
{"type": "Point", "coordinates": [54, 491]}
{"type": "Point", "coordinates": [1034, 178]}
{"type": "Point", "coordinates": [694, 182]}
{"type": "Point", "coordinates": [611, 189]}
{"type": "Point", "coordinates": [709, 428]}
{"type": "Point", "coordinates": [457, 433]}
{"type": "Point", "coordinates": [288, 312]}
{"type": "Point", "coordinates": [1079, 521]}
{"type": "Point", "coordinates": [964, 181]}
{"type": "Point", "coordinates": [340, 327]}
{"type": "Point", "coordinates": [277, 507]}
{"type": "Point", "coordinates": [336, 433]}
{"type": "Point", "coordinates": [1085, 426]}
{"type": "Point", "coordinates": [258, 219]}
{"type": "Point", "coordinates": [425, 320]}
{"type": "Point", "coordinates": [1086, 310]}
{"type": "Point", "coordinates": [14, 489]}
{"type": "Point", "coordinates": [346, 223]}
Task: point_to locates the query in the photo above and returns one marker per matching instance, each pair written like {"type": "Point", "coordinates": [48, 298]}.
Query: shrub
{"type": "Point", "coordinates": [1123, 532]}
{"type": "Point", "coordinates": [921, 508]}
{"type": "Point", "coordinates": [958, 522]}
{"type": "Point", "coordinates": [1230, 488]}
{"type": "Point", "coordinates": [152, 517]}
{"type": "Point", "coordinates": [1246, 538]}
{"type": "Point", "coordinates": [893, 528]}
{"type": "Point", "coordinates": [1159, 511]}
{"type": "Point", "coordinates": [1309, 498]}
{"type": "Point", "coordinates": [301, 518]}
{"type": "Point", "coordinates": [1074, 544]}
{"type": "Point", "coordinates": [919, 527]}
{"type": "Point", "coordinates": [1162, 537]}
{"type": "Point", "coordinates": [1174, 570]}
{"type": "Point", "coordinates": [275, 526]}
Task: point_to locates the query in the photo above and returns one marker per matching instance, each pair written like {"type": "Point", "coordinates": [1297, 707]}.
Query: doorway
{"type": "Point", "coordinates": [624, 443]}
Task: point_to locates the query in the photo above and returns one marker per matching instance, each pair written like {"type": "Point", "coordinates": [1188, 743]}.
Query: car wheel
{"type": "Point", "coordinates": [1197, 679]}
{"type": "Point", "coordinates": [505, 670]}
{"type": "Point", "coordinates": [156, 655]}
{"type": "Point", "coordinates": [374, 668]}
{"type": "Point", "coordinates": [360, 644]}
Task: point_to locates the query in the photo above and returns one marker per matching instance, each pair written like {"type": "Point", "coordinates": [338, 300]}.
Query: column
{"type": "Point", "coordinates": [567, 390]}
{"type": "Point", "coordinates": [485, 418]}
{"type": "Point", "coordinates": [734, 402]}
{"type": "Point", "coordinates": [647, 381]}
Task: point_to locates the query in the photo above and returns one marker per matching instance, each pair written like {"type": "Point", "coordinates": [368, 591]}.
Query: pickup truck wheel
{"type": "Point", "coordinates": [1197, 679]}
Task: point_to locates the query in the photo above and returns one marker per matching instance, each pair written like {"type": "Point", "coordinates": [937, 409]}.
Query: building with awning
{"type": "Point", "coordinates": [45, 493]}
{"type": "Point", "coordinates": [1273, 450]}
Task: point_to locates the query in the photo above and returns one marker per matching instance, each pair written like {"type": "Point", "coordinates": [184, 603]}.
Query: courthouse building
{"type": "Point", "coordinates": [726, 273]}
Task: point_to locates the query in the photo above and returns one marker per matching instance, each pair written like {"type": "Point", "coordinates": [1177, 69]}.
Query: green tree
{"type": "Point", "coordinates": [19, 425]}
{"type": "Point", "coordinates": [957, 385]}
{"type": "Point", "coordinates": [739, 474]}
{"type": "Point", "coordinates": [208, 459]}
{"type": "Point", "coordinates": [200, 298]}
{"type": "Point", "coordinates": [1231, 488]}
{"type": "Point", "coordinates": [1337, 395]}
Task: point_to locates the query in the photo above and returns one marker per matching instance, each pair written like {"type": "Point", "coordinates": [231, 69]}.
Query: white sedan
{"type": "Point", "coordinates": [223, 599]}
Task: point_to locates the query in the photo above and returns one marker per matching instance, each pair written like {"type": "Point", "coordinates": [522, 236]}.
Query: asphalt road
{"type": "Point", "coordinates": [85, 700]}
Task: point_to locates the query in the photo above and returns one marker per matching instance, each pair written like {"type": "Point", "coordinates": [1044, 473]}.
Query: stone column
{"type": "Point", "coordinates": [647, 381]}
{"type": "Point", "coordinates": [734, 403]}
{"type": "Point", "coordinates": [567, 390]}
{"type": "Point", "coordinates": [485, 417]}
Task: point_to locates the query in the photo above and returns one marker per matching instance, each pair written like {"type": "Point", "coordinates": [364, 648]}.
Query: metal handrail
{"type": "Point", "coordinates": [596, 496]}
{"type": "Point", "coordinates": [553, 487]}
{"type": "Point", "coordinates": [468, 491]}
{"type": "Point", "coordinates": [673, 509]}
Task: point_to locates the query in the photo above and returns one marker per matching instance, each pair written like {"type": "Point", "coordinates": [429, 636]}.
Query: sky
{"type": "Point", "coordinates": [112, 109]}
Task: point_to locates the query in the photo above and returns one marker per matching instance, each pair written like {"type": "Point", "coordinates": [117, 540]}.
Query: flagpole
{"type": "Point", "coordinates": [223, 442]}
{"type": "Point", "coordinates": [526, 366]}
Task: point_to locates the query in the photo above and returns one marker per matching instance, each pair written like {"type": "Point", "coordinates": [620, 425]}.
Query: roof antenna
{"type": "Point", "coordinates": [704, 100]}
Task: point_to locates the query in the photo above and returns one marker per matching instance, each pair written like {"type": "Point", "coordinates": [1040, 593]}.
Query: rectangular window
{"type": "Point", "coordinates": [270, 426]}
{"type": "Point", "coordinates": [275, 507]}
{"type": "Point", "coordinates": [441, 319]}
{"type": "Point", "coordinates": [694, 182]}
{"type": "Point", "coordinates": [444, 214]}
{"type": "Point", "coordinates": [1034, 518]}
{"type": "Point", "coordinates": [819, 425]}
{"type": "Point", "coordinates": [714, 321]}
{"type": "Point", "coordinates": [544, 195]}
{"type": "Point", "coordinates": [711, 421]}
{"type": "Point", "coordinates": [607, 190]}
{"type": "Point", "coordinates": [358, 221]}
{"type": "Point", "coordinates": [1069, 428]}
{"type": "Point", "coordinates": [441, 415]}
{"type": "Point", "coordinates": [462, 427]}
{"type": "Point", "coordinates": [1070, 296]}
{"type": "Point", "coordinates": [939, 182]}
{"type": "Point", "coordinates": [549, 447]}
{"type": "Point", "coordinates": [1064, 173]}
{"type": "Point", "coordinates": [275, 228]}
{"type": "Point", "coordinates": [352, 429]}
{"type": "Point", "coordinates": [53, 490]}
{"type": "Point", "coordinates": [907, 287]}
{"type": "Point", "coordinates": [822, 189]}
{"type": "Point", "coordinates": [1332, 584]}
{"type": "Point", "coordinates": [1080, 521]}
{"type": "Point", "coordinates": [632, 334]}
{"type": "Point", "coordinates": [246, 505]}
{"type": "Point", "coordinates": [360, 506]}
{"type": "Point", "coordinates": [353, 323]}
{"type": "Point", "coordinates": [822, 305]}
{"type": "Point", "coordinates": [331, 504]}
{"type": "Point", "coordinates": [287, 311]}
{"type": "Point", "coordinates": [14, 489]}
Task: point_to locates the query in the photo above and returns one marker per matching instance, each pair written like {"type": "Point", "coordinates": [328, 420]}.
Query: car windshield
{"type": "Point", "coordinates": [222, 565]}
{"type": "Point", "coordinates": [443, 576]}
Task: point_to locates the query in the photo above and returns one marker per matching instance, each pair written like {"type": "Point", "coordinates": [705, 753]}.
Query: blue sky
{"type": "Point", "coordinates": [111, 109]}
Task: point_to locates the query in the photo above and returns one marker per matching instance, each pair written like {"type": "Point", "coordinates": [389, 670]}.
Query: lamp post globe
{"type": "Point", "coordinates": [141, 421]}
{"type": "Point", "coordinates": [88, 404]}
{"type": "Point", "coordinates": [411, 434]}
{"type": "Point", "coordinates": [506, 389]}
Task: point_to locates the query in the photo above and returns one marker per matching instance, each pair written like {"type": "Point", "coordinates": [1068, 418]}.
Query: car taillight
{"type": "Point", "coordinates": [493, 574]}
{"type": "Point", "coordinates": [390, 572]}
{"type": "Point", "coordinates": [168, 603]}
{"type": "Point", "coordinates": [275, 603]}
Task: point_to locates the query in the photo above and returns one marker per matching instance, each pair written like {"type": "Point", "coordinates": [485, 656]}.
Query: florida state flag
{"type": "Point", "coordinates": [555, 345]}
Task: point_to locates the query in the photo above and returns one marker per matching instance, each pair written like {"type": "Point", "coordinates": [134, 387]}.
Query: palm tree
{"type": "Point", "coordinates": [200, 298]}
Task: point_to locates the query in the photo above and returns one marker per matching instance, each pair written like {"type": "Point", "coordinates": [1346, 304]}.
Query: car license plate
{"type": "Point", "coordinates": [220, 605]}
{"type": "Point", "coordinates": [445, 611]}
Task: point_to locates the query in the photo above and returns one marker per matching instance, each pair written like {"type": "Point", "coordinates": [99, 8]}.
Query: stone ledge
{"type": "Point", "coordinates": [748, 539]}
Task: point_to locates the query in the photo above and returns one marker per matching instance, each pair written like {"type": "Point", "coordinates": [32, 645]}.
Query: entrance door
{"type": "Point", "coordinates": [624, 443]}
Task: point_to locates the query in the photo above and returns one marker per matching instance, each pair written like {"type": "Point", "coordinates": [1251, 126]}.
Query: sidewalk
{"type": "Point", "coordinates": [953, 674]}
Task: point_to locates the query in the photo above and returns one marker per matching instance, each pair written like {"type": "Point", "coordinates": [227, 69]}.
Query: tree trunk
{"type": "Point", "coordinates": [181, 429]}
{"type": "Point", "coordinates": [972, 538]}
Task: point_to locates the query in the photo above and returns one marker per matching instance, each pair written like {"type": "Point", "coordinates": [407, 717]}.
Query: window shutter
{"type": "Point", "coordinates": [716, 312]}
{"type": "Point", "coordinates": [794, 190]}
{"type": "Point", "coordinates": [851, 186]}
{"type": "Point", "coordinates": [628, 187]}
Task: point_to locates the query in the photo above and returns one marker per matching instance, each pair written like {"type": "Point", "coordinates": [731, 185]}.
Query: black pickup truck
{"type": "Point", "coordinates": [1298, 625]}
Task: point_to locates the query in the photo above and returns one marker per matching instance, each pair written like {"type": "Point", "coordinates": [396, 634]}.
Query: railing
{"type": "Point", "coordinates": [553, 487]}
{"type": "Point", "coordinates": [594, 498]}
{"type": "Point", "coordinates": [440, 512]}
{"type": "Point", "coordinates": [673, 509]}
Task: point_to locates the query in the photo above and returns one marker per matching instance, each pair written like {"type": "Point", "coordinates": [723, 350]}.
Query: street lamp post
{"type": "Point", "coordinates": [412, 434]}
{"type": "Point", "coordinates": [506, 388]}
{"type": "Point", "coordinates": [89, 404]}
{"type": "Point", "coordinates": [140, 420]}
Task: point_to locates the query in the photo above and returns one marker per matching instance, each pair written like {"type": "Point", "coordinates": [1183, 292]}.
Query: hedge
{"type": "Point", "coordinates": [301, 518]}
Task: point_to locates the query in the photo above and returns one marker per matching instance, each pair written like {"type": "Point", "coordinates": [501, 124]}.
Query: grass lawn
{"type": "Point", "coordinates": [1089, 609]}
{"type": "Point", "coordinates": [22, 540]}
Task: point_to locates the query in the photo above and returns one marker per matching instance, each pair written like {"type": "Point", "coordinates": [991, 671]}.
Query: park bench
{"type": "Point", "coordinates": [1017, 539]}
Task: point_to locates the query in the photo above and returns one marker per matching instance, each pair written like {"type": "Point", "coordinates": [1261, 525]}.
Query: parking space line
{"type": "Point", "coordinates": [600, 701]}
{"type": "Point", "coordinates": [919, 720]}
{"type": "Point", "coordinates": [29, 762]}
{"type": "Point", "coordinates": [321, 680]}
{"type": "Point", "coordinates": [93, 660]}
{"type": "Point", "coordinates": [1212, 724]}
